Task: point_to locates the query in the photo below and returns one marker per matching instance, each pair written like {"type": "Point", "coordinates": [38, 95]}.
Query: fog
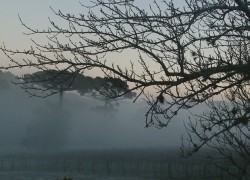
{"type": "Point", "coordinates": [38, 124]}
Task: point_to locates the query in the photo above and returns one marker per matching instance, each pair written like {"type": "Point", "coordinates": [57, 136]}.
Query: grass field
{"type": "Point", "coordinates": [108, 165]}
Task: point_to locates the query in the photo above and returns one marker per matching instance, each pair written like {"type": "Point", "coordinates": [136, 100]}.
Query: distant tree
{"type": "Point", "coordinates": [49, 81]}
{"type": "Point", "coordinates": [48, 129]}
{"type": "Point", "coordinates": [106, 89]}
{"type": "Point", "coordinates": [4, 81]}
{"type": "Point", "coordinates": [4, 85]}
{"type": "Point", "coordinates": [183, 55]}
{"type": "Point", "coordinates": [54, 81]}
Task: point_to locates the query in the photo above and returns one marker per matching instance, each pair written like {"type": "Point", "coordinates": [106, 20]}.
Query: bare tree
{"type": "Point", "coordinates": [187, 54]}
{"type": "Point", "coordinates": [225, 129]}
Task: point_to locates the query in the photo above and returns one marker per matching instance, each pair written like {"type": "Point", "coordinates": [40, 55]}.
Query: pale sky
{"type": "Point", "coordinates": [35, 14]}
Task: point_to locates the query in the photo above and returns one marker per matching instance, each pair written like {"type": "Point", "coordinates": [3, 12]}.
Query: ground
{"type": "Point", "coordinates": [57, 176]}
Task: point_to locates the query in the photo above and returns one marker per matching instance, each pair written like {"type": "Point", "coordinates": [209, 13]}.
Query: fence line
{"type": "Point", "coordinates": [119, 167]}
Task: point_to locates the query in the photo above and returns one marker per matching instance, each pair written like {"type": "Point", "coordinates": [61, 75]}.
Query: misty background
{"type": "Point", "coordinates": [40, 124]}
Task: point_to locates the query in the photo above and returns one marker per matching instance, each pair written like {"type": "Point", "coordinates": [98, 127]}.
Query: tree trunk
{"type": "Point", "coordinates": [61, 99]}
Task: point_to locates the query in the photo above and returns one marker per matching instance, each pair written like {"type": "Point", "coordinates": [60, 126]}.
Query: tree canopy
{"type": "Point", "coordinates": [54, 81]}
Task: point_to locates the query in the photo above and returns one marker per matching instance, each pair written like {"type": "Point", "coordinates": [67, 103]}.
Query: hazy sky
{"type": "Point", "coordinates": [35, 14]}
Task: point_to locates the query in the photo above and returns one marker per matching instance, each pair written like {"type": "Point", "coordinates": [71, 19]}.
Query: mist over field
{"type": "Point", "coordinates": [38, 124]}
{"type": "Point", "coordinates": [82, 139]}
